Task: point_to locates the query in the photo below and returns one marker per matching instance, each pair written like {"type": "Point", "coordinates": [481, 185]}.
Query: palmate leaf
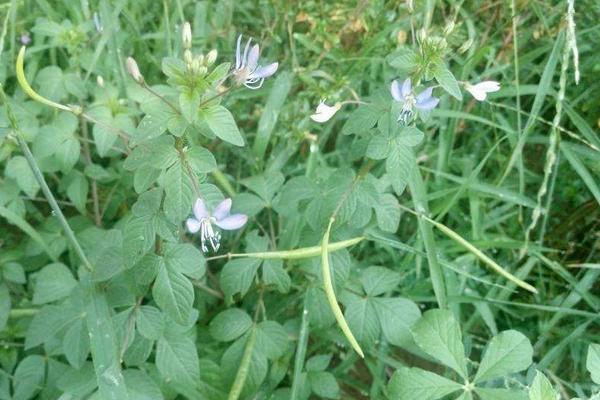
{"type": "Point", "coordinates": [438, 334]}
{"type": "Point", "coordinates": [508, 352]}
{"type": "Point", "coordinates": [415, 383]}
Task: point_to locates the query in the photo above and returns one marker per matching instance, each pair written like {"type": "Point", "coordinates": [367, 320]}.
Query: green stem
{"type": "Point", "coordinates": [242, 373]}
{"type": "Point", "coordinates": [300, 354]}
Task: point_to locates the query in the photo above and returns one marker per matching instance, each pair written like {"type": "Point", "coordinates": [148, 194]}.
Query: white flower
{"type": "Point", "coordinates": [247, 71]}
{"type": "Point", "coordinates": [325, 112]}
{"type": "Point", "coordinates": [221, 216]}
{"type": "Point", "coordinates": [134, 70]}
{"type": "Point", "coordinates": [481, 89]}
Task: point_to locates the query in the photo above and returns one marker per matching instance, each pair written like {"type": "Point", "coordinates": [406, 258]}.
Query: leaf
{"type": "Point", "coordinates": [177, 360]}
{"type": "Point", "coordinates": [592, 362]}
{"type": "Point", "coordinates": [323, 384]}
{"type": "Point", "coordinates": [28, 377]}
{"type": "Point", "coordinates": [438, 334]}
{"type": "Point", "coordinates": [46, 323]}
{"type": "Point", "coordinates": [541, 388]}
{"type": "Point", "coordinates": [508, 352]}
{"type": "Point", "coordinates": [51, 83]}
{"type": "Point", "coordinates": [237, 276]}
{"type": "Point", "coordinates": [230, 324]}
{"type": "Point", "coordinates": [274, 274]}
{"type": "Point", "coordinates": [14, 272]}
{"type": "Point", "coordinates": [53, 282]}
{"type": "Point", "coordinates": [221, 123]}
{"type": "Point", "coordinates": [445, 78]}
{"type": "Point", "coordinates": [179, 193]}
{"type": "Point", "coordinates": [379, 280]}
{"type": "Point", "coordinates": [186, 259]}
{"type": "Point", "coordinates": [140, 386]}
{"type": "Point", "coordinates": [379, 147]}
{"type": "Point", "coordinates": [173, 293]}
{"type": "Point", "coordinates": [396, 316]}
{"type": "Point", "coordinates": [76, 344]}
{"type": "Point", "coordinates": [149, 322]}
{"type": "Point", "coordinates": [271, 339]}
{"type": "Point", "coordinates": [362, 319]}
{"type": "Point", "coordinates": [77, 191]}
{"type": "Point", "coordinates": [318, 362]}
{"type": "Point", "coordinates": [18, 169]}
{"type": "Point", "coordinates": [500, 394]}
{"type": "Point", "coordinates": [104, 249]}
{"type": "Point", "coordinates": [388, 213]}
{"type": "Point", "coordinates": [415, 383]}
{"type": "Point", "coordinates": [201, 160]}
{"type": "Point", "coordinates": [5, 305]}
{"type": "Point", "coordinates": [257, 370]}
{"type": "Point", "coordinates": [79, 383]}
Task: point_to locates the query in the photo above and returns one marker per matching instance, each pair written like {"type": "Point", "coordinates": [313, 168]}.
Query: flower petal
{"type": "Point", "coordinates": [424, 95]}
{"type": "Point", "coordinates": [265, 72]}
{"type": "Point", "coordinates": [488, 86]}
{"type": "Point", "coordinates": [395, 90]}
{"type": "Point", "coordinates": [245, 58]}
{"type": "Point", "coordinates": [253, 58]}
{"type": "Point", "coordinates": [429, 104]}
{"type": "Point", "coordinates": [479, 95]}
{"type": "Point", "coordinates": [232, 222]}
{"type": "Point", "coordinates": [193, 225]}
{"type": "Point", "coordinates": [238, 58]}
{"type": "Point", "coordinates": [222, 210]}
{"type": "Point", "coordinates": [406, 87]}
{"type": "Point", "coordinates": [200, 210]}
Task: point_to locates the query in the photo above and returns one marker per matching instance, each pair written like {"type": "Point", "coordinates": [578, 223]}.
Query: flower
{"type": "Point", "coordinates": [221, 217]}
{"type": "Point", "coordinates": [186, 35]}
{"type": "Point", "coordinates": [325, 112]}
{"type": "Point", "coordinates": [424, 101]}
{"type": "Point", "coordinates": [25, 39]}
{"type": "Point", "coordinates": [247, 71]}
{"type": "Point", "coordinates": [134, 70]}
{"type": "Point", "coordinates": [481, 89]}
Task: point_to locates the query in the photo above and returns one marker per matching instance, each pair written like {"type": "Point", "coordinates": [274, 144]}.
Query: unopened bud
{"type": "Point", "coordinates": [211, 57]}
{"type": "Point", "coordinates": [133, 70]}
{"type": "Point", "coordinates": [465, 46]}
{"type": "Point", "coordinates": [401, 37]}
{"type": "Point", "coordinates": [195, 65]}
{"type": "Point", "coordinates": [188, 57]}
{"type": "Point", "coordinates": [202, 70]}
{"type": "Point", "coordinates": [200, 59]}
{"type": "Point", "coordinates": [422, 34]}
{"type": "Point", "coordinates": [100, 81]}
{"type": "Point", "coordinates": [186, 35]}
{"type": "Point", "coordinates": [410, 6]}
{"type": "Point", "coordinates": [449, 28]}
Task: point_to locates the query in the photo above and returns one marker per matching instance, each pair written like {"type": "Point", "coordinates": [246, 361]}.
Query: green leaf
{"type": "Point", "coordinates": [415, 383]}
{"type": "Point", "coordinates": [221, 123]}
{"type": "Point", "coordinates": [271, 339]}
{"type": "Point", "coordinates": [396, 316]}
{"type": "Point", "coordinates": [410, 136]}
{"type": "Point", "coordinates": [388, 213]}
{"type": "Point", "coordinates": [174, 294]}
{"type": "Point", "coordinates": [77, 191]}
{"type": "Point", "coordinates": [179, 193]}
{"type": "Point", "coordinates": [237, 275]}
{"type": "Point", "coordinates": [593, 362]}
{"type": "Point", "coordinates": [438, 334]}
{"type": "Point", "coordinates": [177, 360]}
{"type": "Point", "coordinates": [318, 362]}
{"type": "Point", "coordinates": [274, 274]}
{"type": "Point", "coordinates": [13, 272]}
{"type": "Point", "coordinates": [104, 249]}
{"type": "Point", "coordinates": [508, 352]}
{"type": "Point", "coordinates": [500, 394]}
{"type": "Point", "coordinates": [28, 377]}
{"type": "Point", "coordinates": [379, 280]}
{"type": "Point", "coordinates": [257, 370]}
{"type": "Point", "coordinates": [445, 78]}
{"type": "Point", "coordinates": [148, 203]}
{"type": "Point", "coordinates": [51, 83]}
{"type": "Point", "coordinates": [46, 323]}
{"type": "Point", "coordinates": [150, 322]}
{"type": "Point", "coordinates": [201, 160]}
{"type": "Point", "coordinates": [541, 388]}
{"type": "Point", "coordinates": [186, 259]}
{"type": "Point", "coordinates": [76, 343]}
{"type": "Point", "coordinates": [5, 305]}
{"type": "Point", "coordinates": [361, 318]}
{"type": "Point", "coordinates": [18, 169]}
{"type": "Point", "coordinates": [379, 146]}
{"type": "Point", "coordinates": [361, 120]}
{"type": "Point", "coordinates": [323, 384]}
{"type": "Point", "coordinates": [140, 386]}
{"type": "Point", "coordinates": [265, 185]}
{"type": "Point", "coordinates": [79, 383]}
{"type": "Point", "coordinates": [230, 324]}
{"type": "Point", "coordinates": [53, 282]}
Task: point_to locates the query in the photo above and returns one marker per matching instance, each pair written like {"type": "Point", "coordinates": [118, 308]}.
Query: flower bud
{"type": "Point", "coordinates": [100, 81]}
{"type": "Point", "coordinates": [188, 57]}
{"type": "Point", "coordinates": [211, 57]}
{"type": "Point", "coordinates": [401, 36]}
{"type": "Point", "coordinates": [465, 46]}
{"type": "Point", "coordinates": [449, 28]}
{"type": "Point", "coordinates": [133, 70]}
{"type": "Point", "coordinates": [186, 35]}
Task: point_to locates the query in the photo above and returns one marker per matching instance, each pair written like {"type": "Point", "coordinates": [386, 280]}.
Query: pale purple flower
{"type": "Point", "coordinates": [25, 39]}
{"type": "Point", "coordinates": [247, 71]}
{"type": "Point", "coordinates": [221, 217]}
{"type": "Point", "coordinates": [481, 89]}
{"type": "Point", "coordinates": [424, 101]}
